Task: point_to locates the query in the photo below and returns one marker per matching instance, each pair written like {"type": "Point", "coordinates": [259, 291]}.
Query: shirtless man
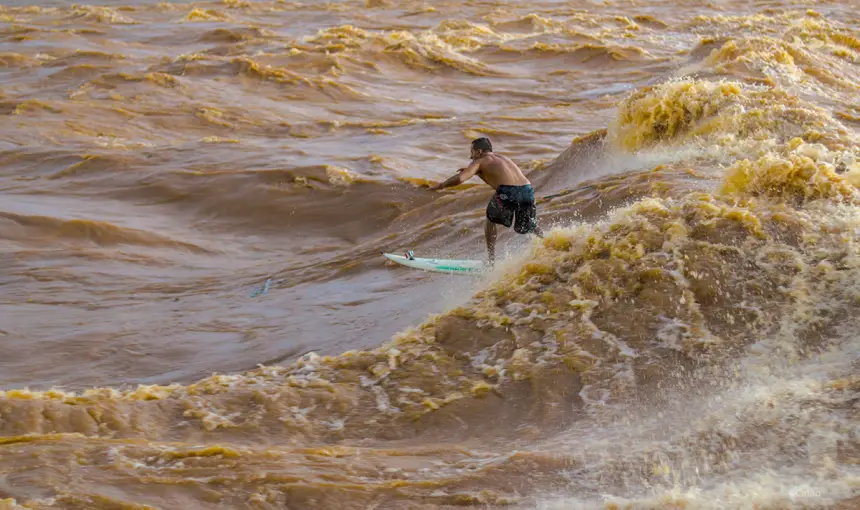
{"type": "Point", "coordinates": [514, 197]}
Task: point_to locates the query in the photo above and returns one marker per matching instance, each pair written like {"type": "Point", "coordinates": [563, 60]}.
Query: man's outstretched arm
{"type": "Point", "coordinates": [462, 175]}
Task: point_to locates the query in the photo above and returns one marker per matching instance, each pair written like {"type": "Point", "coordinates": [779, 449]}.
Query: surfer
{"type": "Point", "coordinates": [514, 200]}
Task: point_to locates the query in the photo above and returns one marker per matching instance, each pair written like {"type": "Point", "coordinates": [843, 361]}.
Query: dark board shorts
{"type": "Point", "coordinates": [514, 205]}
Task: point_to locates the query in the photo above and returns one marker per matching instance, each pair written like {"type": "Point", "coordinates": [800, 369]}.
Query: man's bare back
{"type": "Point", "coordinates": [514, 200]}
{"type": "Point", "coordinates": [497, 170]}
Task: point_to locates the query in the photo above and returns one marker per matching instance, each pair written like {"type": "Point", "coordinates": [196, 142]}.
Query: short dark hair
{"type": "Point", "coordinates": [482, 144]}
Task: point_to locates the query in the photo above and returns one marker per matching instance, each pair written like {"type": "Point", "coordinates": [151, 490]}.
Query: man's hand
{"type": "Point", "coordinates": [462, 175]}
{"type": "Point", "coordinates": [445, 183]}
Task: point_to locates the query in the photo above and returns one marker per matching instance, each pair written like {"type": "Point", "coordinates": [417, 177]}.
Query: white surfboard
{"type": "Point", "coordinates": [439, 265]}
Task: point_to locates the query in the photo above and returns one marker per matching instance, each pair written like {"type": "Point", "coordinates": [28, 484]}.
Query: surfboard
{"type": "Point", "coordinates": [438, 265]}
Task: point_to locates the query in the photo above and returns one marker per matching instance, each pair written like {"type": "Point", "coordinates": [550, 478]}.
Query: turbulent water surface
{"type": "Point", "coordinates": [686, 336]}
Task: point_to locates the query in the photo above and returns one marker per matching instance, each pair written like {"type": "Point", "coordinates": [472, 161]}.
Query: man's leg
{"type": "Point", "coordinates": [490, 234]}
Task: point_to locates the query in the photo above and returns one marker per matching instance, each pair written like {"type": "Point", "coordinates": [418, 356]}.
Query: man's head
{"type": "Point", "coordinates": [481, 146]}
